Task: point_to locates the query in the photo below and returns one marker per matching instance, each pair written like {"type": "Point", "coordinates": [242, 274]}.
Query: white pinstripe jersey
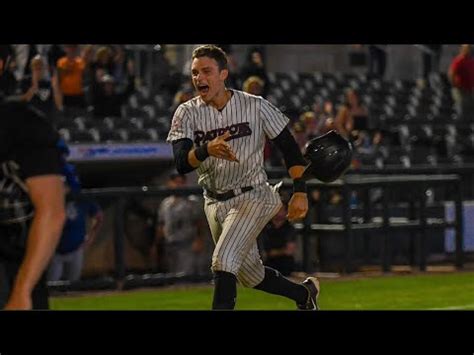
{"type": "Point", "coordinates": [249, 119]}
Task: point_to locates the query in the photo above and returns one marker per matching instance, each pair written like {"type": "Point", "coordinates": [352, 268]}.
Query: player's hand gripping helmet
{"type": "Point", "coordinates": [329, 156]}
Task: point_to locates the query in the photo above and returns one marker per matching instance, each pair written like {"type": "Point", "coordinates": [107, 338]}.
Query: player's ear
{"type": "Point", "coordinates": [224, 74]}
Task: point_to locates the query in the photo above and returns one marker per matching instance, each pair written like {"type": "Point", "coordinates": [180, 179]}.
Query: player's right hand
{"type": "Point", "coordinates": [220, 149]}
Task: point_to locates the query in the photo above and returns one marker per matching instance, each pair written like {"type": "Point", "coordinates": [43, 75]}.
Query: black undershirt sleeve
{"type": "Point", "coordinates": [181, 149]}
{"type": "Point", "coordinates": [291, 152]}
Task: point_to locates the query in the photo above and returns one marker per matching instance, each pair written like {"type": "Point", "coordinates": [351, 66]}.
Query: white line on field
{"type": "Point", "coordinates": [452, 307]}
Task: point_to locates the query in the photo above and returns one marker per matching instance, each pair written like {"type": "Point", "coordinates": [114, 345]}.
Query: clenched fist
{"type": "Point", "coordinates": [297, 207]}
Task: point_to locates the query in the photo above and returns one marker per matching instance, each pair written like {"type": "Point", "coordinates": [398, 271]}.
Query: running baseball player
{"type": "Point", "coordinates": [221, 133]}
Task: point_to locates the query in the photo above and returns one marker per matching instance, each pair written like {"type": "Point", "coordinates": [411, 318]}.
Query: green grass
{"type": "Point", "coordinates": [406, 292]}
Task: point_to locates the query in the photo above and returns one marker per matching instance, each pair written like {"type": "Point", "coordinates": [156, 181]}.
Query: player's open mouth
{"type": "Point", "coordinates": [203, 89]}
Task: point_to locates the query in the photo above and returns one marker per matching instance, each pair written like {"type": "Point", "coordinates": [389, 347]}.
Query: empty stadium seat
{"type": "Point", "coordinates": [138, 135]}
{"type": "Point", "coordinates": [82, 136]}
{"type": "Point", "coordinates": [108, 135]}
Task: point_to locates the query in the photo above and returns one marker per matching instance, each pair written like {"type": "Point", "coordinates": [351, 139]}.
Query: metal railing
{"type": "Point", "coordinates": [416, 222]}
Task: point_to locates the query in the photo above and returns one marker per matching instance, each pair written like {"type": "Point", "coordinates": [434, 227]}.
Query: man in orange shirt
{"type": "Point", "coordinates": [71, 69]}
{"type": "Point", "coordinates": [461, 75]}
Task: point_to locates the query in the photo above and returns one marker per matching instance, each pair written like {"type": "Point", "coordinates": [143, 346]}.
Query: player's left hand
{"type": "Point", "coordinates": [297, 207]}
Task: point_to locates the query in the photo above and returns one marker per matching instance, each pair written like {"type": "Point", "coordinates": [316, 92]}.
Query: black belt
{"type": "Point", "coordinates": [226, 195]}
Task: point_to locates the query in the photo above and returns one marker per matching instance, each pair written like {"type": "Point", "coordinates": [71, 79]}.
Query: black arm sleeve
{"type": "Point", "coordinates": [181, 148]}
{"type": "Point", "coordinates": [291, 152]}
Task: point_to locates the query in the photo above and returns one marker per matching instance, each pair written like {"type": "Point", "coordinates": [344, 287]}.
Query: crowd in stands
{"type": "Point", "coordinates": [73, 85]}
{"type": "Point", "coordinates": [91, 91]}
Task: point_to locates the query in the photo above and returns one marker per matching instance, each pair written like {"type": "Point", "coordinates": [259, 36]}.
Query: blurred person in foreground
{"type": "Point", "coordinates": [32, 210]}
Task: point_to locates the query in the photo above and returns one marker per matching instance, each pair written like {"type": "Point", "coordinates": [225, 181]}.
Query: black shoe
{"type": "Point", "coordinates": [312, 285]}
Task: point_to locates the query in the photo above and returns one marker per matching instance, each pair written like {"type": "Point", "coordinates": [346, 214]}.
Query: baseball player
{"type": "Point", "coordinates": [68, 260]}
{"type": "Point", "coordinates": [181, 226]}
{"type": "Point", "coordinates": [221, 133]}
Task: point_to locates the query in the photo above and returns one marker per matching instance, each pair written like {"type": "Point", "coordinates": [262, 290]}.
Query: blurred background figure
{"type": "Point", "coordinates": [461, 76]}
{"type": "Point", "coordinates": [299, 132]}
{"type": "Point", "coordinates": [107, 100]}
{"type": "Point", "coordinates": [24, 54]}
{"type": "Point", "coordinates": [103, 63]}
{"type": "Point", "coordinates": [76, 237]}
{"type": "Point", "coordinates": [180, 231]}
{"type": "Point", "coordinates": [41, 91]}
{"type": "Point", "coordinates": [253, 85]}
{"type": "Point", "coordinates": [277, 243]}
{"type": "Point", "coordinates": [353, 116]}
{"type": "Point", "coordinates": [314, 124]}
{"type": "Point", "coordinates": [186, 93]}
{"type": "Point", "coordinates": [255, 66]}
{"type": "Point", "coordinates": [71, 69]}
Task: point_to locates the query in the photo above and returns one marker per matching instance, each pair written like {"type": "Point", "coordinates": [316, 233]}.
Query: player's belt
{"type": "Point", "coordinates": [228, 194]}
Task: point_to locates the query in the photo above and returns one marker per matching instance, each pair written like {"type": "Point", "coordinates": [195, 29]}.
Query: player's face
{"type": "Point", "coordinates": [208, 80]}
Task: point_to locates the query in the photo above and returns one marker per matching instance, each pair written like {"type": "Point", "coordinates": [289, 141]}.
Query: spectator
{"type": "Point", "coordinates": [120, 63]}
{"type": "Point", "coordinates": [24, 53]}
{"type": "Point", "coordinates": [278, 243]}
{"type": "Point", "coordinates": [40, 91]}
{"type": "Point", "coordinates": [327, 117]}
{"type": "Point", "coordinates": [255, 66]}
{"type": "Point", "coordinates": [87, 54]}
{"type": "Point", "coordinates": [106, 100]}
{"type": "Point", "coordinates": [461, 76]}
{"type": "Point", "coordinates": [181, 227]}
{"type": "Point", "coordinates": [185, 94]}
{"type": "Point", "coordinates": [70, 73]}
{"type": "Point", "coordinates": [103, 63]}
{"type": "Point", "coordinates": [253, 85]}
{"type": "Point", "coordinates": [352, 116]}
{"type": "Point", "coordinates": [314, 124]}
{"type": "Point", "coordinates": [299, 132]}
{"type": "Point", "coordinates": [68, 259]}
{"type": "Point", "coordinates": [369, 150]}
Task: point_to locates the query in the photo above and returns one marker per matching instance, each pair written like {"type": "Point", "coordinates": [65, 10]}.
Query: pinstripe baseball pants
{"type": "Point", "coordinates": [235, 225]}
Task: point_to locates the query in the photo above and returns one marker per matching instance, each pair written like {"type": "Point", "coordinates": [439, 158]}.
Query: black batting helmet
{"type": "Point", "coordinates": [329, 156]}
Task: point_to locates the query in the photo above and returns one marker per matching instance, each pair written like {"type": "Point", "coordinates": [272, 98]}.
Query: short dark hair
{"type": "Point", "coordinates": [214, 52]}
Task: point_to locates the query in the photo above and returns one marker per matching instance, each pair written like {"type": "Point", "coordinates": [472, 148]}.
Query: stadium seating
{"type": "Point", "coordinates": [420, 115]}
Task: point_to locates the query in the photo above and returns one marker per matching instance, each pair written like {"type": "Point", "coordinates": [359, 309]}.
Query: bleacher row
{"type": "Point", "coordinates": [388, 101]}
{"type": "Point", "coordinates": [85, 129]}
{"type": "Point", "coordinates": [419, 117]}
